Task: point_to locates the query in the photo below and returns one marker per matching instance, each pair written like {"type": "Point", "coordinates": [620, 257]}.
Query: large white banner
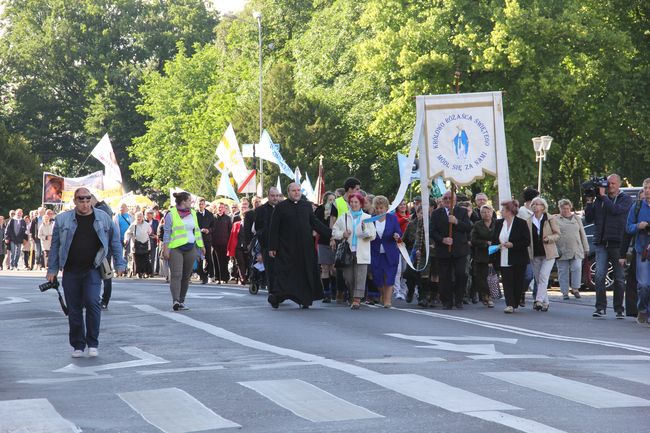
{"type": "Point", "coordinates": [460, 137]}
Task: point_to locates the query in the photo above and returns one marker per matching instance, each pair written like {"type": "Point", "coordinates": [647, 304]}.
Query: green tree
{"type": "Point", "coordinates": [21, 180]}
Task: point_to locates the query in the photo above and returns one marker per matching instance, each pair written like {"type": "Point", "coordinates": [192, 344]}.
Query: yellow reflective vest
{"type": "Point", "coordinates": [341, 206]}
{"type": "Point", "coordinates": [179, 231]}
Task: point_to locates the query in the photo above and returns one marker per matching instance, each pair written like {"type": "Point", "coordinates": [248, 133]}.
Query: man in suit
{"type": "Point", "coordinates": [451, 251]}
{"type": "Point", "coordinates": [262, 225]}
{"type": "Point", "coordinates": [15, 234]}
{"type": "Point", "coordinates": [205, 219]}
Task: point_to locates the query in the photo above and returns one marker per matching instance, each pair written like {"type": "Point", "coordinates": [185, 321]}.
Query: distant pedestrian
{"type": "Point", "coordinates": [572, 247]}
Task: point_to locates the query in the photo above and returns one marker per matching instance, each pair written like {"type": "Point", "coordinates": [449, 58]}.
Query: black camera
{"type": "Point", "coordinates": [47, 286]}
{"type": "Point", "coordinates": [54, 285]}
{"type": "Point", "coordinates": [590, 187]}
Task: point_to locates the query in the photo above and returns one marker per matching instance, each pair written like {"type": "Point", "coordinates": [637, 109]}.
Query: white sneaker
{"type": "Point", "coordinates": [77, 353]}
{"type": "Point", "coordinates": [508, 310]}
{"type": "Point", "coordinates": [93, 352]}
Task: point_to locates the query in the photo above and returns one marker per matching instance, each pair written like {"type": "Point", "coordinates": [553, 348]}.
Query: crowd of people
{"type": "Point", "coordinates": [349, 249]}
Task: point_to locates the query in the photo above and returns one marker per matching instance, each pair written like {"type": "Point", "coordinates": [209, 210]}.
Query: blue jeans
{"type": "Point", "coordinates": [603, 255]}
{"type": "Point", "coordinates": [81, 290]}
{"type": "Point", "coordinates": [528, 277]}
{"type": "Point", "coordinates": [16, 253]}
{"type": "Point", "coordinates": [643, 284]}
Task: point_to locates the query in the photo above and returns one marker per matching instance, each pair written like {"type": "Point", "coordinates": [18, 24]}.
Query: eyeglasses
{"type": "Point", "coordinates": [83, 197]}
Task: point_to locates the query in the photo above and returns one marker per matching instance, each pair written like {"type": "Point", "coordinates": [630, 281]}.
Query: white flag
{"type": "Point", "coordinates": [231, 160]}
{"type": "Point", "coordinates": [104, 153]}
{"type": "Point", "coordinates": [297, 176]}
{"type": "Point", "coordinates": [278, 186]}
{"type": "Point", "coordinates": [225, 188]}
{"type": "Point", "coordinates": [307, 189]}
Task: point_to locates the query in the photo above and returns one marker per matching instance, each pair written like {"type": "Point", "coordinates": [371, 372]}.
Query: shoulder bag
{"type": "Point", "coordinates": [343, 257]}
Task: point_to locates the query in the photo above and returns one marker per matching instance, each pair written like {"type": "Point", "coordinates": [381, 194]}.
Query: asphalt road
{"type": "Point", "coordinates": [231, 363]}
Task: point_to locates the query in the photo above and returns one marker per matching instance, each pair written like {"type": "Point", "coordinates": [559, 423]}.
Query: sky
{"type": "Point", "coordinates": [227, 5]}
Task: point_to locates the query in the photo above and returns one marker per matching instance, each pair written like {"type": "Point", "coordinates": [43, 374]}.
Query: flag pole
{"type": "Point", "coordinates": [453, 185]}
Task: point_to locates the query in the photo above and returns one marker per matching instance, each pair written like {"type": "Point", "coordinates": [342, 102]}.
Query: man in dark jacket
{"type": "Point", "coordinates": [262, 224]}
{"type": "Point", "coordinates": [608, 212]}
{"type": "Point", "coordinates": [206, 222]}
{"type": "Point", "coordinates": [15, 234]}
{"type": "Point", "coordinates": [220, 235]}
{"type": "Point", "coordinates": [451, 251]}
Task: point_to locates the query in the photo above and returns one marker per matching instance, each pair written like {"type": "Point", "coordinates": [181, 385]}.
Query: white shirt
{"type": "Point", "coordinates": [380, 226]}
{"type": "Point", "coordinates": [503, 238]}
{"type": "Point", "coordinates": [537, 223]}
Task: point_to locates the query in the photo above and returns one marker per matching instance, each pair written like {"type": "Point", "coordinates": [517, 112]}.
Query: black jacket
{"type": "Point", "coordinates": [439, 229]}
{"type": "Point", "coordinates": [206, 221]}
{"type": "Point", "coordinates": [481, 235]}
{"type": "Point", "coordinates": [10, 232]}
{"type": "Point", "coordinates": [520, 239]}
{"type": "Point", "coordinates": [609, 217]}
{"type": "Point", "coordinates": [247, 229]}
{"type": "Point", "coordinates": [263, 223]}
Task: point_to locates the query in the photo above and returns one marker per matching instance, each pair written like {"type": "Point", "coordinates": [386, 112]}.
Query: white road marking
{"type": "Point", "coordinates": [179, 370]}
{"type": "Point", "coordinates": [14, 300]}
{"type": "Point", "coordinates": [438, 393]}
{"type": "Point", "coordinates": [280, 365]}
{"type": "Point", "coordinates": [173, 410]}
{"type": "Point", "coordinates": [308, 401]}
{"type": "Point", "coordinates": [405, 387]}
{"type": "Point", "coordinates": [612, 357]}
{"type": "Point", "coordinates": [33, 416]}
{"type": "Point", "coordinates": [440, 343]}
{"type": "Point", "coordinates": [502, 356]}
{"type": "Point", "coordinates": [212, 295]}
{"type": "Point", "coordinates": [590, 395]}
{"type": "Point", "coordinates": [514, 422]}
{"type": "Point", "coordinates": [528, 332]}
{"type": "Point", "coordinates": [400, 360]}
{"type": "Point", "coordinates": [639, 373]}
{"type": "Point", "coordinates": [64, 379]}
{"type": "Point", "coordinates": [144, 358]}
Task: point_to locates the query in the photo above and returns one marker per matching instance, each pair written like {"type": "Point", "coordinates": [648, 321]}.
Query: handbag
{"type": "Point", "coordinates": [493, 283]}
{"type": "Point", "coordinates": [140, 247]}
{"type": "Point", "coordinates": [343, 256]}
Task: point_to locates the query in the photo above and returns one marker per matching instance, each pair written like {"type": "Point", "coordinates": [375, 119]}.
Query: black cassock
{"type": "Point", "coordinates": [296, 265]}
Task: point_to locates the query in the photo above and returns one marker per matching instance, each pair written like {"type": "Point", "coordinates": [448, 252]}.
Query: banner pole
{"type": "Point", "coordinates": [452, 203]}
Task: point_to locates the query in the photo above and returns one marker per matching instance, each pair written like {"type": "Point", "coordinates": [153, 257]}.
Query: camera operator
{"type": "Point", "coordinates": [81, 239]}
{"type": "Point", "coordinates": [638, 224]}
{"type": "Point", "coordinates": [608, 212]}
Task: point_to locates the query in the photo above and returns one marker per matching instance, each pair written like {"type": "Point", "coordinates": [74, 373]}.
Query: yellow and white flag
{"type": "Point", "coordinates": [231, 159]}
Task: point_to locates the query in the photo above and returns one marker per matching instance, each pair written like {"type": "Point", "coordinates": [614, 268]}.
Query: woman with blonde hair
{"type": "Point", "coordinates": [572, 248]}
{"type": "Point", "coordinates": [383, 250]}
{"type": "Point", "coordinates": [544, 233]}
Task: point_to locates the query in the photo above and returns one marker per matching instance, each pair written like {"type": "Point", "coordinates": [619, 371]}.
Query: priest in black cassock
{"type": "Point", "coordinates": [291, 243]}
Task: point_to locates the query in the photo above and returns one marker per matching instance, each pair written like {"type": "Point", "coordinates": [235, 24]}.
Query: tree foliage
{"type": "Point", "coordinates": [339, 80]}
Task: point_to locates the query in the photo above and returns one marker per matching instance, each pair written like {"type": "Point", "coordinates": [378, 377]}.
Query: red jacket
{"type": "Point", "coordinates": [232, 241]}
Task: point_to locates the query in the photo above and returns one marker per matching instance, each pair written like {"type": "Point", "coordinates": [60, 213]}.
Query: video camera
{"type": "Point", "coordinates": [590, 187]}
{"type": "Point", "coordinates": [54, 285]}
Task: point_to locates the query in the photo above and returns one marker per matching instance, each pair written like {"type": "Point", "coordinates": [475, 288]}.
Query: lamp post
{"type": "Point", "coordinates": [258, 17]}
{"type": "Point", "coordinates": [541, 146]}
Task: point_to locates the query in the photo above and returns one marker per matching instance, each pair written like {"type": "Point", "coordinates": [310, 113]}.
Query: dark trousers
{"type": "Point", "coordinates": [480, 279]}
{"type": "Point", "coordinates": [512, 278]}
{"type": "Point", "coordinates": [605, 254]}
{"type": "Point", "coordinates": [81, 291]}
{"type": "Point", "coordinates": [451, 292]}
{"type": "Point", "coordinates": [269, 271]}
{"type": "Point", "coordinates": [108, 285]}
{"type": "Point", "coordinates": [220, 257]}
{"type": "Point", "coordinates": [241, 259]}
{"type": "Point", "coordinates": [2, 259]}
{"type": "Point", "coordinates": [206, 266]}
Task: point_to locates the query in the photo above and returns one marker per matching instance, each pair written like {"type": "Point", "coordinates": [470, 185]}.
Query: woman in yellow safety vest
{"type": "Point", "coordinates": [181, 244]}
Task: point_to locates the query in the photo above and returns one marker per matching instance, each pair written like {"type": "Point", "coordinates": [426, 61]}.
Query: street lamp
{"type": "Point", "coordinates": [258, 16]}
{"type": "Point", "coordinates": [541, 146]}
